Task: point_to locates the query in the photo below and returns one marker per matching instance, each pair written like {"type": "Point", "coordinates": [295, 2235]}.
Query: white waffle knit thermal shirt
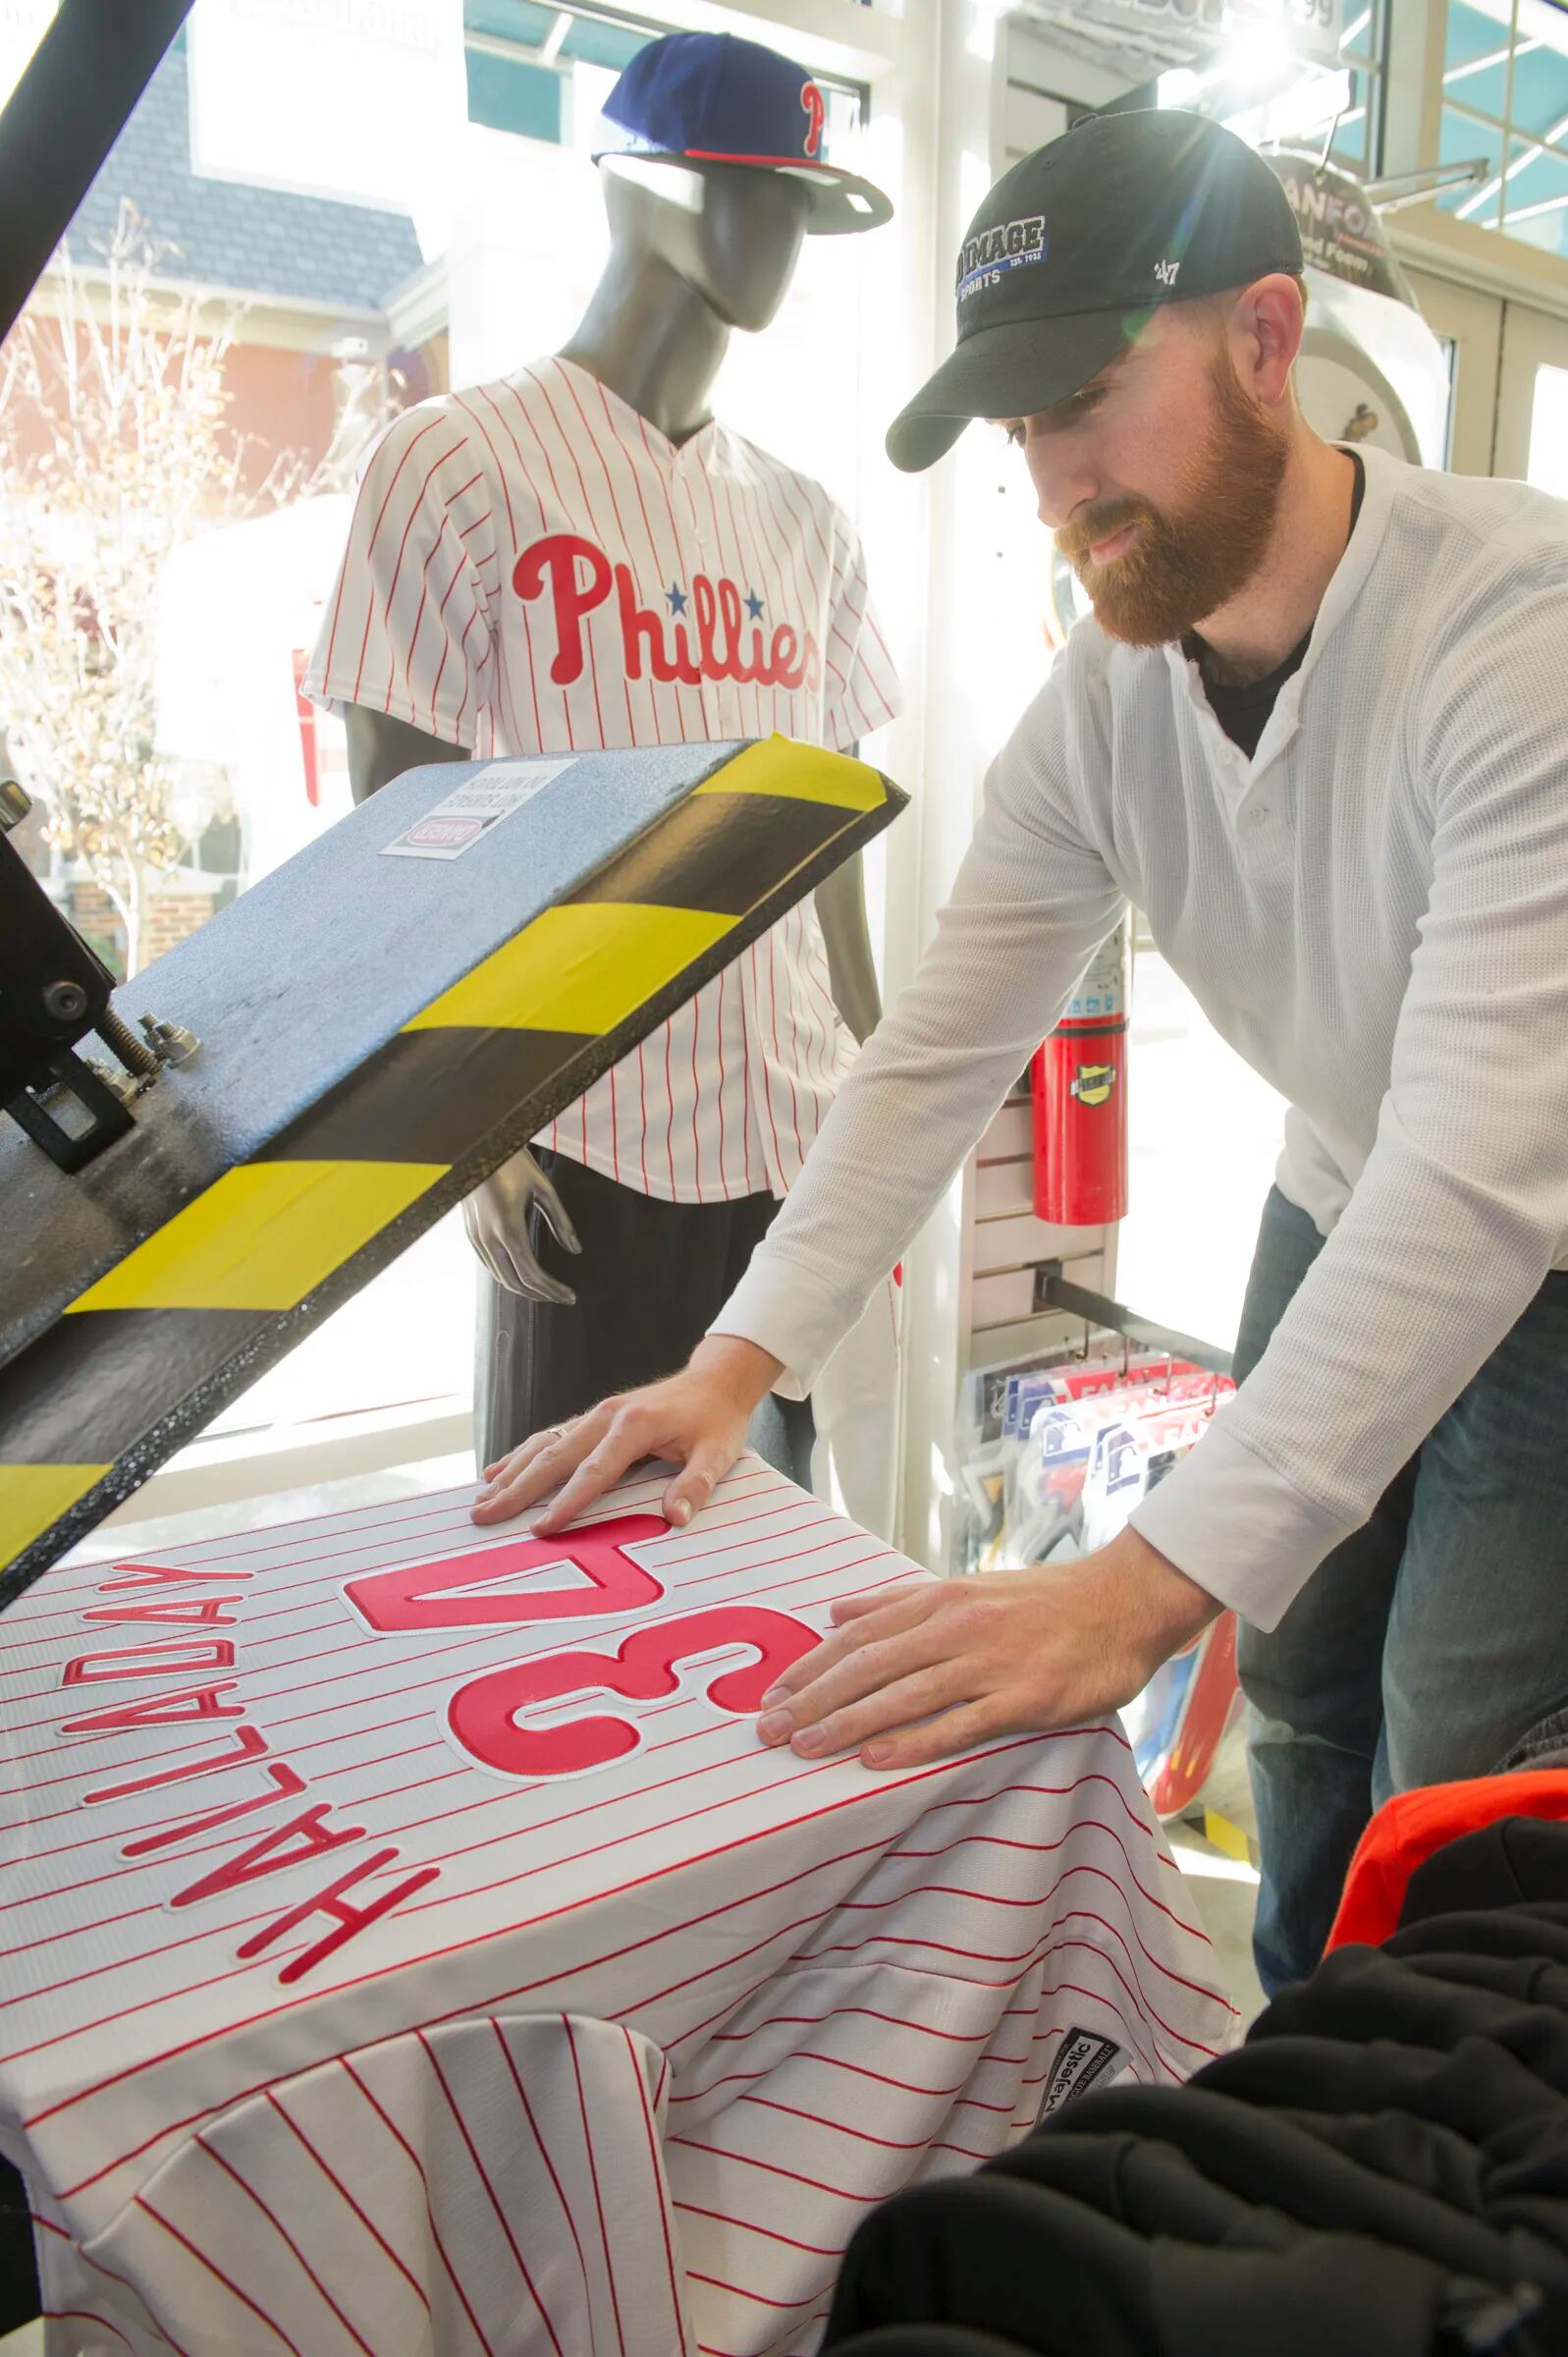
{"type": "Point", "coordinates": [1374, 912]}
{"type": "Point", "coordinates": [534, 569]}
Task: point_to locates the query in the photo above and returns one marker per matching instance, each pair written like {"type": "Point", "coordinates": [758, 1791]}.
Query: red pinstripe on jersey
{"type": "Point", "coordinates": [490, 2194]}
{"type": "Point", "coordinates": [144, 2336]}
{"type": "Point", "coordinates": [438, 2244]}
{"type": "Point", "coordinates": [426, 623]}
{"type": "Point", "coordinates": [654, 2166]}
{"type": "Point", "coordinates": [87, 2315]}
{"type": "Point", "coordinates": [344, 2194]}
{"type": "Point", "coordinates": [544, 2154]}
{"type": "Point", "coordinates": [593, 2172]}
{"type": "Point", "coordinates": [221, 2161]}
{"type": "Point", "coordinates": [178, 2234]}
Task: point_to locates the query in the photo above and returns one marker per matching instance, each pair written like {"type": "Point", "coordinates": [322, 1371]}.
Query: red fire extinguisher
{"type": "Point", "coordinates": [1080, 1099]}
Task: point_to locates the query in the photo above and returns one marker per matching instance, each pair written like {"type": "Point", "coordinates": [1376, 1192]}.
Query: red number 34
{"type": "Point", "coordinates": [482, 1715]}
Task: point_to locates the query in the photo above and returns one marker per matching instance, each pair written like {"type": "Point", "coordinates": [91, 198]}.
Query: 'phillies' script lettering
{"type": "Point", "coordinates": [579, 578]}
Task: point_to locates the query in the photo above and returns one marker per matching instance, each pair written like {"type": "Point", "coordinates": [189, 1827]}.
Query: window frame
{"type": "Point", "coordinates": [1425, 235]}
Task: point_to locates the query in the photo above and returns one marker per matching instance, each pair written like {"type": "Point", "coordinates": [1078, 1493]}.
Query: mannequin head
{"type": "Point", "coordinates": [729, 233]}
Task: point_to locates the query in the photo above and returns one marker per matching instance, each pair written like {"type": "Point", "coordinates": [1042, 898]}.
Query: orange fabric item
{"type": "Point", "coordinates": [1413, 1825]}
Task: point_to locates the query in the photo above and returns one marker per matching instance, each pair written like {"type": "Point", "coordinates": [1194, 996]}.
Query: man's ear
{"type": "Point", "coordinates": [1266, 323]}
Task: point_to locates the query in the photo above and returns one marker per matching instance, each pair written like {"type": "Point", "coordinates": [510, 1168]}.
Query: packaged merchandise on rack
{"type": "Point", "coordinates": [1054, 1454]}
{"type": "Point", "coordinates": [988, 1427]}
{"type": "Point", "coordinates": [1073, 1434]}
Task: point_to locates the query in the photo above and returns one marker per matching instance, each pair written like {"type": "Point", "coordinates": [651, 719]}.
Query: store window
{"type": "Point", "coordinates": [1448, 346]}
{"type": "Point", "coordinates": [1357, 126]}
{"type": "Point", "coordinates": [523, 65]}
{"type": "Point", "coordinates": [316, 216]}
{"type": "Point", "coordinates": [1505, 105]}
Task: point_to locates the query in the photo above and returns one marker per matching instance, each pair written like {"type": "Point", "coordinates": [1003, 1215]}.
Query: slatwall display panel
{"type": "Point", "coordinates": [1008, 1242]}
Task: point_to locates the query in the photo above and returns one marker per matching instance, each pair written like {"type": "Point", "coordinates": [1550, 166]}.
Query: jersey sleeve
{"type": "Point", "coordinates": [862, 689]}
{"type": "Point", "coordinates": [408, 628]}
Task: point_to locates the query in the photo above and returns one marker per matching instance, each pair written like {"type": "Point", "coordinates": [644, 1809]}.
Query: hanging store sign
{"type": "Point", "coordinates": [1306, 31]}
{"type": "Point", "coordinates": [1341, 231]}
{"type": "Point", "coordinates": [1311, 30]}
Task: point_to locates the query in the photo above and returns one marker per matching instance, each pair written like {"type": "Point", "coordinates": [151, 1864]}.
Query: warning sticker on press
{"type": "Point", "coordinates": [483, 799]}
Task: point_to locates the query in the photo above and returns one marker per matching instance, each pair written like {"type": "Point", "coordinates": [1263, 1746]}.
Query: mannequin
{"type": "Point", "coordinates": [593, 559]}
{"type": "Point", "coordinates": [687, 266]}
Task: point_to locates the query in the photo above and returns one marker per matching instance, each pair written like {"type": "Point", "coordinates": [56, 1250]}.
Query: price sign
{"type": "Point", "coordinates": [1318, 27]}
{"type": "Point", "coordinates": [1308, 29]}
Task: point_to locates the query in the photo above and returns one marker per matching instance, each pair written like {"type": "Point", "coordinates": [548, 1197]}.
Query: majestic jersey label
{"type": "Point", "coordinates": [1082, 2059]}
{"type": "Point", "coordinates": [578, 578]}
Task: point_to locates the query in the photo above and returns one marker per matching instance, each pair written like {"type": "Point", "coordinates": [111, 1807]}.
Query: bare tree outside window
{"type": "Point", "coordinates": [116, 448]}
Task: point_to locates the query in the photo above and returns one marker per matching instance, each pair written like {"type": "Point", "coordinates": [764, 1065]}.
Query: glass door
{"type": "Point", "coordinates": [1531, 431]}
{"type": "Point", "coordinates": [1469, 325]}
{"type": "Point", "coordinates": [1508, 372]}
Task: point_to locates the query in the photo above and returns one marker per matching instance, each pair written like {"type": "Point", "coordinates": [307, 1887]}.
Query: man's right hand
{"type": "Point", "coordinates": [697, 1419]}
{"type": "Point", "coordinates": [496, 1215]}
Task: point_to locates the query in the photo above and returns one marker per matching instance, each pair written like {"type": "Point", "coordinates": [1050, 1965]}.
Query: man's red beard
{"type": "Point", "coordinates": [1189, 560]}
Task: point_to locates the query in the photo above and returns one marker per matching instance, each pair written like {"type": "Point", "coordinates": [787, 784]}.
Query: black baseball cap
{"type": "Point", "coordinates": [1076, 245]}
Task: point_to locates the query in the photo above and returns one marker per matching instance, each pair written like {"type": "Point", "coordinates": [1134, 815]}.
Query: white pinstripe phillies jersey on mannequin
{"type": "Point", "coordinates": [410, 1951]}
{"type": "Point", "coordinates": [533, 567]}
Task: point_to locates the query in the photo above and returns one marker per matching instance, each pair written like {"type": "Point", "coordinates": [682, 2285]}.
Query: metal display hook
{"type": "Point", "coordinates": [1054, 1290]}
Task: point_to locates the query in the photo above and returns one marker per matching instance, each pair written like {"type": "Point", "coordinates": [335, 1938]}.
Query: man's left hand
{"type": "Point", "coordinates": [934, 1666]}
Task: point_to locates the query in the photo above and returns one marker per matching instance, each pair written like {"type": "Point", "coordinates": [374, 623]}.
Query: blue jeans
{"type": "Point", "coordinates": [1428, 1643]}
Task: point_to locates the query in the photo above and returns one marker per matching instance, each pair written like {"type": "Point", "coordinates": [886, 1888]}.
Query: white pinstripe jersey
{"type": "Point", "coordinates": [533, 567]}
{"type": "Point", "coordinates": [410, 1948]}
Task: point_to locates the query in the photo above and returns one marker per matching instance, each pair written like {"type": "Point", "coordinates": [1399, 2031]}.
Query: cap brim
{"type": "Point", "coordinates": [842, 204]}
{"type": "Point", "coordinates": [1014, 369]}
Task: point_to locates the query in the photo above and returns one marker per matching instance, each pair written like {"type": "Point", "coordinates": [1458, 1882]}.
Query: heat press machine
{"type": "Point", "coordinates": [281, 1105]}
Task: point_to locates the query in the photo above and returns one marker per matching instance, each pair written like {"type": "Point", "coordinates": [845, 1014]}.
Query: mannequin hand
{"type": "Point", "coordinates": [934, 1666]}
{"type": "Point", "coordinates": [496, 1215]}
{"type": "Point", "coordinates": [698, 1418]}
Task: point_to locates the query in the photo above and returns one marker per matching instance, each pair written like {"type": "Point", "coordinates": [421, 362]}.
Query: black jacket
{"type": "Point", "coordinates": [1381, 2170]}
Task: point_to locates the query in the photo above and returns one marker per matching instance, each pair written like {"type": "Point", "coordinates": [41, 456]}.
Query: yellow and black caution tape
{"type": "Point", "coordinates": [146, 1353]}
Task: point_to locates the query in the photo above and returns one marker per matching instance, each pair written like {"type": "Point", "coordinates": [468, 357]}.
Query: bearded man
{"type": "Point", "coordinates": [1317, 731]}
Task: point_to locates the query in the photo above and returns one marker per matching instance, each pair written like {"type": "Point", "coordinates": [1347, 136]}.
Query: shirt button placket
{"type": "Point", "coordinates": [1264, 836]}
{"type": "Point", "coordinates": [698, 561]}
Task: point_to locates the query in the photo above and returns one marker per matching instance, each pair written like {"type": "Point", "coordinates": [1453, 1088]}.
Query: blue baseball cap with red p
{"type": "Point", "coordinates": [711, 98]}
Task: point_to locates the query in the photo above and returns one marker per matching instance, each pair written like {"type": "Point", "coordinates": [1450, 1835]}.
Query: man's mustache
{"type": "Point", "coordinates": [1100, 522]}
